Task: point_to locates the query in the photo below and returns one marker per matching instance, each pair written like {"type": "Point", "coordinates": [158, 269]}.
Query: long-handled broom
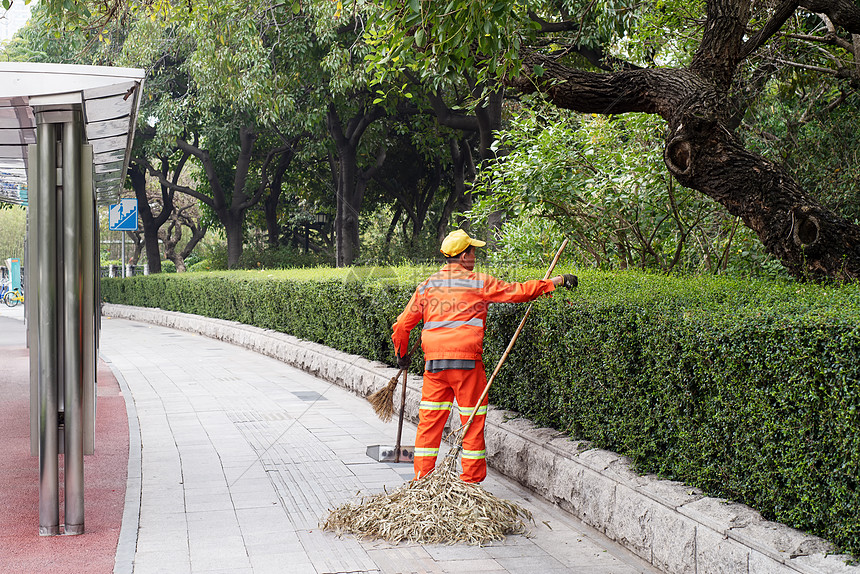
{"type": "Point", "coordinates": [382, 400]}
{"type": "Point", "coordinates": [441, 507]}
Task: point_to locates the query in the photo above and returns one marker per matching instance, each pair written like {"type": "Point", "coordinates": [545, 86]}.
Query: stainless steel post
{"type": "Point", "coordinates": [32, 295]}
{"type": "Point", "coordinates": [72, 326]}
{"type": "Point", "coordinates": [46, 244]}
{"type": "Point", "coordinates": [90, 273]}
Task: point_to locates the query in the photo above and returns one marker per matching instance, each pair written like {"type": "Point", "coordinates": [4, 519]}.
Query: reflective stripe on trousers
{"type": "Point", "coordinates": [440, 389]}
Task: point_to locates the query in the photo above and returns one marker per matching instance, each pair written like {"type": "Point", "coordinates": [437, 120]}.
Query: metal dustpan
{"type": "Point", "coordinates": [388, 453]}
{"type": "Point", "coordinates": [396, 452]}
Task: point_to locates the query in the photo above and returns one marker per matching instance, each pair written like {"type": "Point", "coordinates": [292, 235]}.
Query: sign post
{"type": "Point", "coordinates": [123, 217]}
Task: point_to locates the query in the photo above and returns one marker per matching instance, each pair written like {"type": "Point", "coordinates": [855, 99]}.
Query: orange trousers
{"type": "Point", "coordinates": [437, 396]}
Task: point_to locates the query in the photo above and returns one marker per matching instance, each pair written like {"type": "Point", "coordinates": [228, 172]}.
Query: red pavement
{"type": "Point", "coordinates": [21, 547]}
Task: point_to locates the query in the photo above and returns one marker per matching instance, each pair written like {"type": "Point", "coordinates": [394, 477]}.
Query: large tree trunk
{"type": "Point", "coordinates": [346, 222]}
{"type": "Point", "coordinates": [170, 238]}
{"type": "Point", "coordinates": [701, 150]}
{"type": "Point", "coordinates": [464, 175]}
{"type": "Point", "coordinates": [233, 232]}
{"type": "Point", "coordinates": [270, 210]}
{"type": "Point", "coordinates": [271, 203]}
{"type": "Point", "coordinates": [350, 180]}
{"type": "Point", "coordinates": [151, 222]}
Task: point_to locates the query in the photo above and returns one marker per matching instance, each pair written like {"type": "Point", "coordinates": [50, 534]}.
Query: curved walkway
{"type": "Point", "coordinates": [242, 456]}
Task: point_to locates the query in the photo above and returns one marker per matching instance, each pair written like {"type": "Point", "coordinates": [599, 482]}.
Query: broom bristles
{"type": "Point", "coordinates": [438, 508]}
{"type": "Point", "coordinates": [382, 400]}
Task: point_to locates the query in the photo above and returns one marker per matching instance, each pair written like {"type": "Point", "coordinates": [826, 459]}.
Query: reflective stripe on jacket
{"type": "Point", "coordinates": [453, 305]}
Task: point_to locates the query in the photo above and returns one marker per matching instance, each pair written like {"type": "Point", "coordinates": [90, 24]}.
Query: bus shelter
{"type": "Point", "coordinates": [65, 138]}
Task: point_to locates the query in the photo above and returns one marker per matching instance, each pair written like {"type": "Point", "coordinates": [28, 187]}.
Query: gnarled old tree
{"type": "Point", "coordinates": [561, 48]}
{"type": "Point", "coordinates": [702, 151]}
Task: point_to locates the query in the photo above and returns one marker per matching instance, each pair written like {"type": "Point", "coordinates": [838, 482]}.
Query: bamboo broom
{"type": "Point", "coordinates": [382, 400]}
{"type": "Point", "coordinates": [441, 507]}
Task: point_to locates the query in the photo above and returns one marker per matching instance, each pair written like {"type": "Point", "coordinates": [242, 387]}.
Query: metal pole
{"type": "Point", "coordinates": [32, 296]}
{"type": "Point", "coordinates": [72, 325]}
{"type": "Point", "coordinates": [91, 274]}
{"type": "Point", "coordinates": [46, 241]}
{"type": "Point", "coordinates": [122, 257]}
{"type": "Point", "coordinates": [400, 421]}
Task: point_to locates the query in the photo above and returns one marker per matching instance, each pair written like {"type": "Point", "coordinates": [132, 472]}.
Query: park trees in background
{"type": "Point", "coordinates": [237, 87]}
{"type": "Point", "coordinates": [266, 93]}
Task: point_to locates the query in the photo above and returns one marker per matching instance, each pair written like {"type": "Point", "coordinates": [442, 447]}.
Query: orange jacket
{"type": "Point", "coordinates": [453, 305]}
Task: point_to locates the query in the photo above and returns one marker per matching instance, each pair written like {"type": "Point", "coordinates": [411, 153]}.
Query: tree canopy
{"type": "Point", "coordinates": [700, 66]}
{"type": "Point", "coordinates": [743, 92]}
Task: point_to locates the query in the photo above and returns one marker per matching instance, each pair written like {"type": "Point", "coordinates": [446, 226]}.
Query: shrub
{"type": "Point", "coordinates": [748, 390]}
{"type": "Point", "coordinates": [201, 265]}
{"type": "Point", "coordinates": [280, 258]}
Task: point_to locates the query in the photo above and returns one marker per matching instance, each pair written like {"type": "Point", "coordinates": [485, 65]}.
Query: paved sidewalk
{"type": "Point", "coordinates": [242, 456]}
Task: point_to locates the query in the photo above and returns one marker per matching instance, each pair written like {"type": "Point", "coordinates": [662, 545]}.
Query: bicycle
{"type": "Point", "coordinates": [13, 297]}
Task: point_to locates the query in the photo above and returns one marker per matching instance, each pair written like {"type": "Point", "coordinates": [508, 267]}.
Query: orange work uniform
{"type": "Point", "coordinates": [453, 305]}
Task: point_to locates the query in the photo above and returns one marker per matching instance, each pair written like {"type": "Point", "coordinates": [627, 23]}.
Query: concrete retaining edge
{"type": "Point", "coordinates": [669, 524]}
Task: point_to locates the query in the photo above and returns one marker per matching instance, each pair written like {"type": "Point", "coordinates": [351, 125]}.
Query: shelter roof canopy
{"type": "Point", "coordinates": [109, 98]}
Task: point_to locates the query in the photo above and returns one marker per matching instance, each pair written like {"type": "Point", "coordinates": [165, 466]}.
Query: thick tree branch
{"type": "Point", "coordinates": [174, 186]}
{"type": "Point", "coordinates": [264, 172]}
{"type": "Point", "coordinates": [782, 13]}
{"type": "Point", "coordinates": [653, 91]}
{"type": "Point", "coordinates": [828, 38]}
{"type": "Point", "coordinates": [217, 201]}
{"type": "Point", "coordinates": [552, 27]}
{"type": "Point", "coordinates": [448, 117]}
{"type": "Point", "coordinates": [844, 13]}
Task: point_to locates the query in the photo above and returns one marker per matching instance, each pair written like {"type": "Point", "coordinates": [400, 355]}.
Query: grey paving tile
{"type": "Point", "coordinates": [246, 570]}
{"type": "Point", "coordinates": [198, 500]}
{"type": "Point", "coordinates": [514, 550]}
{"type": "Point", "coordinates": [476, 565]}
{"type": "Point", "coordinates": [456, 552]}
{"type": "Point", "coordinates": [533, 563]}
{"type": "Point", "coordinates": [162, 563]}
{"type": "Point", "coordinates": [281, 564]}
{"type": "Point", "coordinates": [394, 559]}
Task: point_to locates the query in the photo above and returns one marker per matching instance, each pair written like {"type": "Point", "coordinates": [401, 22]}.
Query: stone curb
{"type": "Point", "coordinates": [671, 525]}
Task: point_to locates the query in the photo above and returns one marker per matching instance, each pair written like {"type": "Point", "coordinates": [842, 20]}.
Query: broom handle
{"type": "Point", "coordinates": [403, 404]}
{"type": "Point", "coordinates": [400, 422]}
{"type": "Point", "coordinates": [508, 350]}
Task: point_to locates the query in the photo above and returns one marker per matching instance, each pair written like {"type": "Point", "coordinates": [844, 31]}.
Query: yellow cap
{"type": "Point", "coordinates": [457, 242]}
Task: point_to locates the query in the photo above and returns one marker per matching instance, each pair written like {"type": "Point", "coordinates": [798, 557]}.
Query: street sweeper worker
{"type": "Point", "coordinates": [453, 304]}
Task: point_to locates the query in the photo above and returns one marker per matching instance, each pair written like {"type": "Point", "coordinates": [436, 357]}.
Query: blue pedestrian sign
{"type": "Point", "coordinates": [123, 215]}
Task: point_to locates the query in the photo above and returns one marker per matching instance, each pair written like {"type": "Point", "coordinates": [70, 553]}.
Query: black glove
{"type": "Point", "coordinates": [570, 281]}
{"type": "Point", "coordinates": [404, 361]}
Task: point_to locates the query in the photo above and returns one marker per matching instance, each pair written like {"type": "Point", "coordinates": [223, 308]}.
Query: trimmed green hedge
{"type": "Point", "coordinates": [749, 391]}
